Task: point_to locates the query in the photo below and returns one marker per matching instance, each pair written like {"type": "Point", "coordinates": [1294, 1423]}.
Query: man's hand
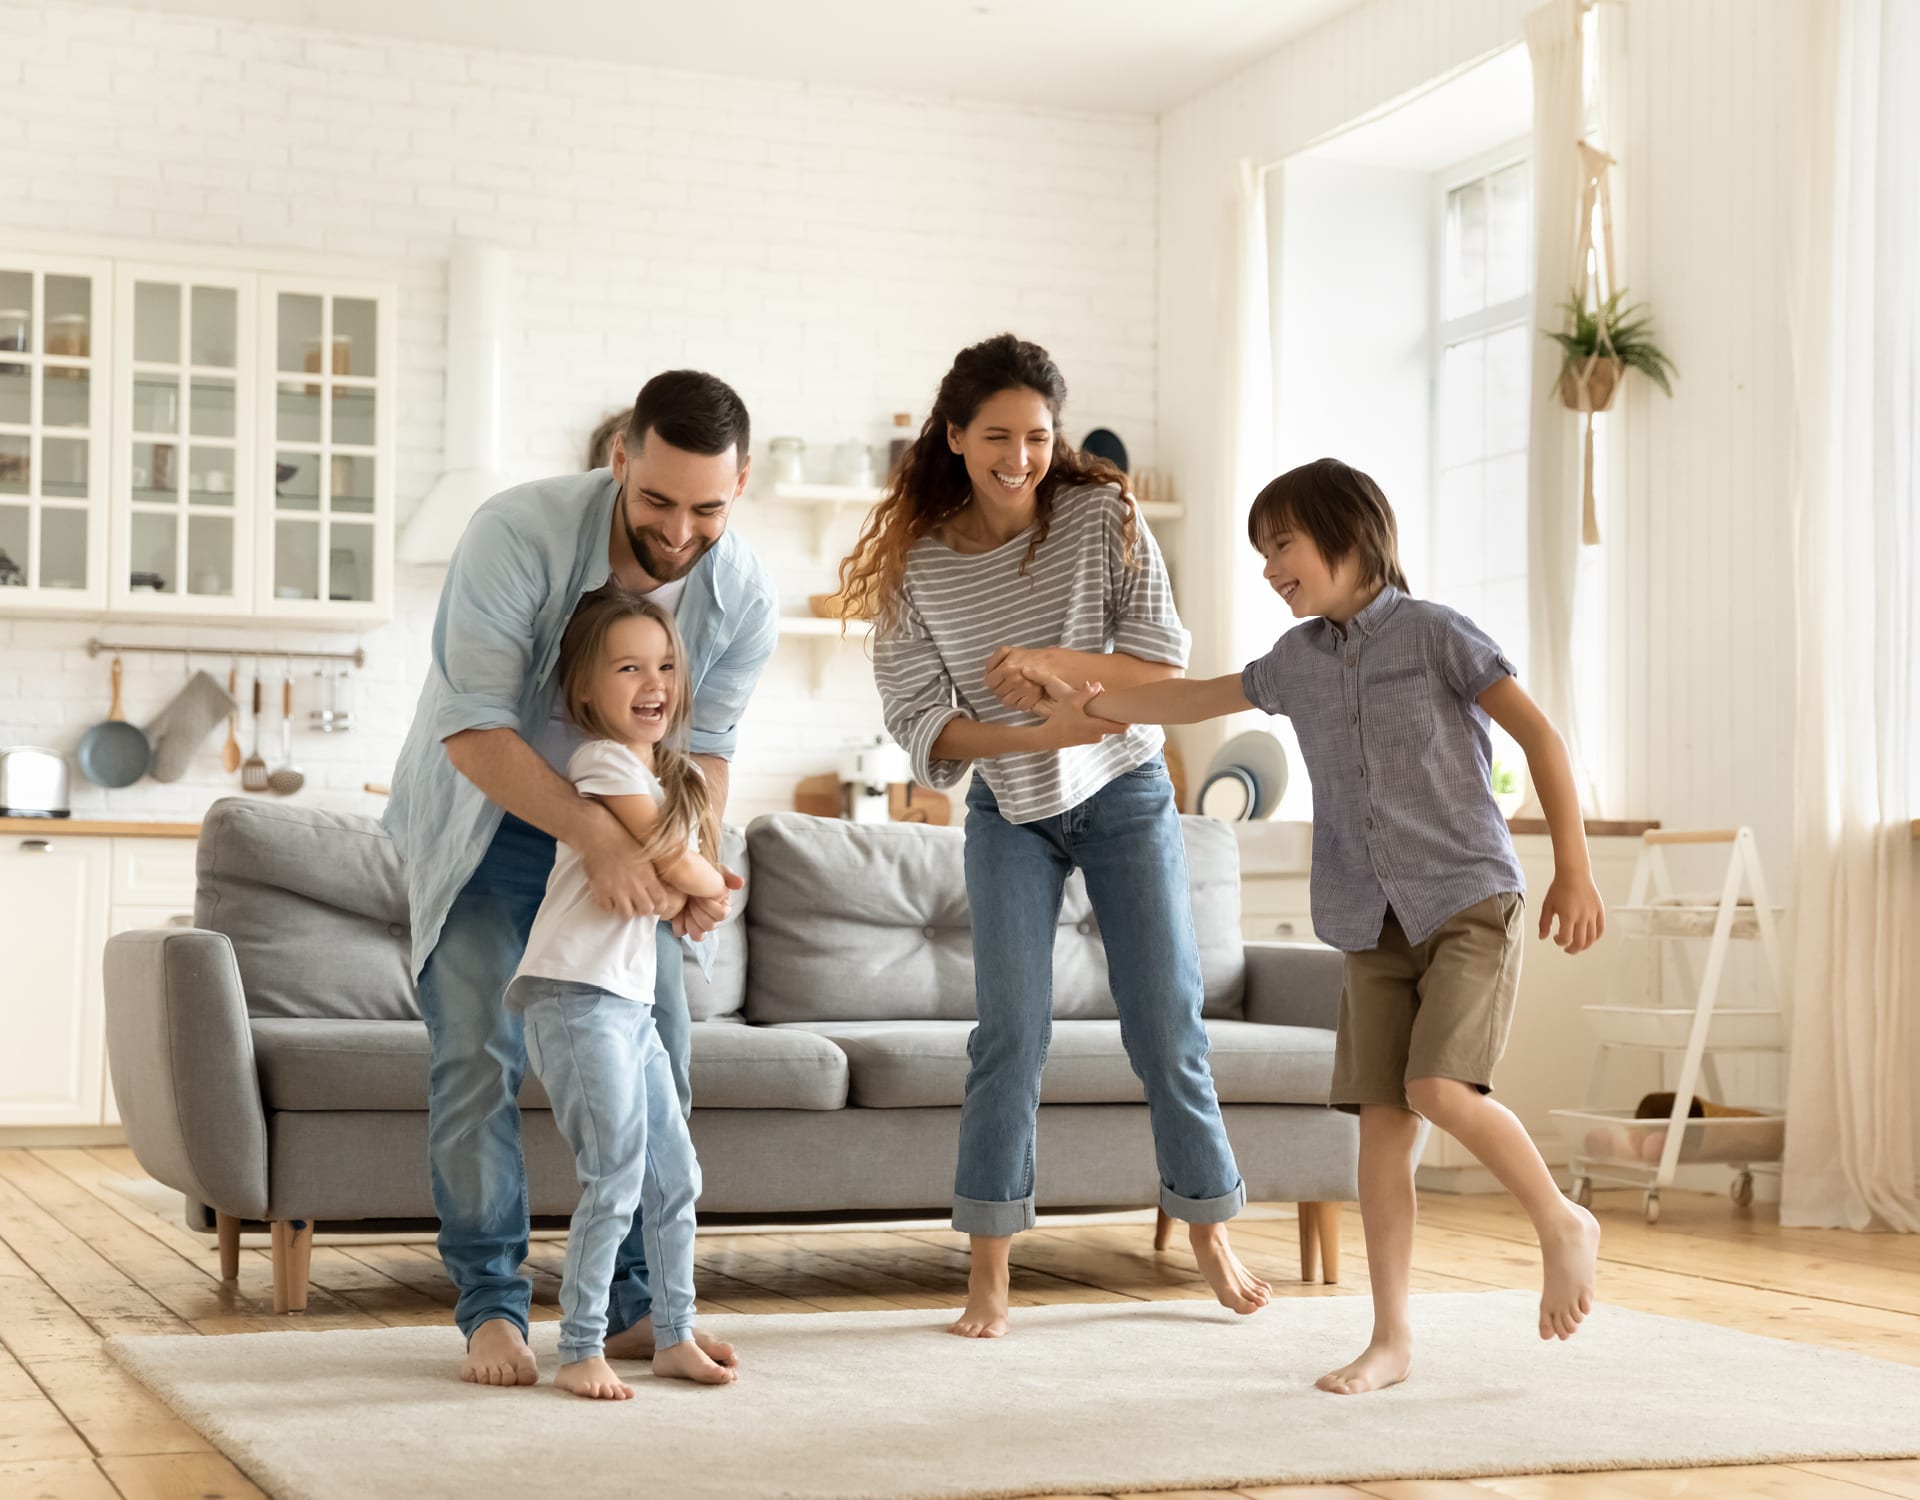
{"type": "Point", "coordinates": [1010, 673]}
{"type": "Point", "coordinates": [1575, 900]}
{"type": "Point", "coordinates": [700, 916]}
{"type": "Point", "coordinates": [622, 882]}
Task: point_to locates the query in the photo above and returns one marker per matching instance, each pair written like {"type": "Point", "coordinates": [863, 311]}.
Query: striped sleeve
{"type": "Point", "coordinates": [1146, 623]}
{"type": "Point", "coordinates": [916, 694]}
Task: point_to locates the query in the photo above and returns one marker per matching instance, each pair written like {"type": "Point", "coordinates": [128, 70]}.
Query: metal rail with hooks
{"type": "Point", "coordinates": [357, 657]}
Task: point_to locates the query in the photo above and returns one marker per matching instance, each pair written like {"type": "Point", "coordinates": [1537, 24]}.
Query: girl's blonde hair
{"type": "Point", "coordinates": [688, 808]}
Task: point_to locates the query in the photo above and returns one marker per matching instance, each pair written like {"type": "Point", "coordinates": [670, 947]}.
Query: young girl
{"type": "Point", "coordinates": [996, 548]}
{"type": "Point", "coordinates": [586, 987]}
{"type": "Point", "coordinates": [1414, 874]}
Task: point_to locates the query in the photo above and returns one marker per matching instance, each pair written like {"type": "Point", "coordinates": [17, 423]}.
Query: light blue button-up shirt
{"type": "Point", "coordinates": [520, 568]}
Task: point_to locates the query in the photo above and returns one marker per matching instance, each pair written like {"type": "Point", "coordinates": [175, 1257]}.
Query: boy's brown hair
{"type": "Point", "coordinates": [688, 809]}
{"type": "Point", "coordinates": [1341, 511]}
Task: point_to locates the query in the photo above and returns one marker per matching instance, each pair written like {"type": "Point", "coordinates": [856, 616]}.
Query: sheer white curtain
{"type": "Point", "coordinates": [1553, 432]}
{"type": "Point", "coordinates": [1850, 1158]}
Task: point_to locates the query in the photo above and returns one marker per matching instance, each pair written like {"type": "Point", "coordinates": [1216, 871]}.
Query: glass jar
{"type": "Point", "coordinates": [786, 460]}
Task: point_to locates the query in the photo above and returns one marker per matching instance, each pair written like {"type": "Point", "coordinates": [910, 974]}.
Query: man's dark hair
{"type": "Point", "coordinates": [692, 410]}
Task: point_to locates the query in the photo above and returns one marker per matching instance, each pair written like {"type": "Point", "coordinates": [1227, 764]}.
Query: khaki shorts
{"type": "Point", "coordinates": [1438, 1009]}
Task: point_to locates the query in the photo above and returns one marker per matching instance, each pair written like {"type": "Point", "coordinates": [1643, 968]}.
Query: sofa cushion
{"type": "Point", "coordinates": [726, 993]}
{"type": "Point", "coordinates": [923, 1064]}
{"type": "Point", "coordinates": [870, 922]}
{"type": "Point", "coordinates": [382, 1065]}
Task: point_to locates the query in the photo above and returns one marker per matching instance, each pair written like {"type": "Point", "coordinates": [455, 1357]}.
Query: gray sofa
{"type": "Point", "coordinates": [270, 1062]}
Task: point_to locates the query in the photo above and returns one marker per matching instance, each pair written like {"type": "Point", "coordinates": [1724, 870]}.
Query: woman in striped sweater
{"type": "Point", "coordinates": [998, 549]}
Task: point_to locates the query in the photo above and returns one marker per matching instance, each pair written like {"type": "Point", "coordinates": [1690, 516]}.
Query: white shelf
{"type": "Point", "coordinates": [1668, 1028]}
{"type": "Point", "coordinates": [1162, 510]}
{"type": "Point", "coordinates": [1688, 917]}
{"type": "Point", "coordinates": [827, 494]}
{"type": "Point", "coordinates": [822, 637]}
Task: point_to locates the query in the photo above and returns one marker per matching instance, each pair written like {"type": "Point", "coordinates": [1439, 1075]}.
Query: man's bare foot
{"type": "Point", "coordinates": [1567, 1262]}
{"type": "Point", "coordinates": [1235, 1286]}
{"type": "Point", "coordinates": [1385, 1362]}
{"type": "Point", "coordinates": [497, 1354]}
{"type": "Point", "coordinates": [637, 1343]}
{"type": "Point", "coordinates": [988, 1282]}
{"type": "Point", "coordinates": [593, 1378]}
{"type": "Point", "coordinates": [686, 1360]}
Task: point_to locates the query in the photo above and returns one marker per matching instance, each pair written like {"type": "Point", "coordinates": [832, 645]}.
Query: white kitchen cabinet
{"type": "Point", "coordinates": [205, 439]}
{"type": "Point", "coordinates": [55, 427]}
{"type": "Point", "coordinates": [63, 895]}
{"type": "Point", "coordinates": [54, 902]}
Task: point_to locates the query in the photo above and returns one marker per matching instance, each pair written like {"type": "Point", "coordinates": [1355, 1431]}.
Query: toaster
{"type": "Point", "coordinates": [33, 783]}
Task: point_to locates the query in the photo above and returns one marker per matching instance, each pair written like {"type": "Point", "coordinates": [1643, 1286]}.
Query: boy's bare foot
{"type": "Point", "coordinates": [1385, 1362]}
{"type": "Point", "coordinates": [686, 1360]}
{"type": "Point", "coordinates": [1567, 1260]}
{"type": "Point", "coordinates": [497, 1354]}
{"type": "Point", "coordinates": [1235, 1286]}
{"type": "Point", "coordinates": [637, 1343]}
{"type": "Point", "coordinates": [593, 1378]}
{"type": "Point", "coordinates": [985, 1315]}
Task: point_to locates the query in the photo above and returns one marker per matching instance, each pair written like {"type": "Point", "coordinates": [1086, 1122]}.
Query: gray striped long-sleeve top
{"type": "Point", "coordinates": [957, 608]}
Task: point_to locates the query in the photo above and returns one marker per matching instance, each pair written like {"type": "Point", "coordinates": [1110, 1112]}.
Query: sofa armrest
{"type": "Point", "coordinates": [1294, 984]}
{"type": "Point", "coordinates": [180, 1053]}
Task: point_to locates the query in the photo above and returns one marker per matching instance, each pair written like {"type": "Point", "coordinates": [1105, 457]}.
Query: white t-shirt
{"type": "Point", "coordinates": [557, 739]}
{"type": "Point", "coordinates": [573, 937]}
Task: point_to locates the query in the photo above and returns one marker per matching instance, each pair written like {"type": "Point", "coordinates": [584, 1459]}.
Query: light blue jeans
{"type": "Point", "coordinates": [479, 1059]}
{"type": "Point", "coordinates": [600, 1058]}
{"type": "Point", "coordinates": [1126, 838]}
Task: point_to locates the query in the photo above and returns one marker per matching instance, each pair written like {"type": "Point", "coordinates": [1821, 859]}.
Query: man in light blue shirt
{"type": "Point", "coordinates": [479, 799]}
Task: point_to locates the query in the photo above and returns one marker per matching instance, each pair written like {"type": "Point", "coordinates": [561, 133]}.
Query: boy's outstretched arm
{"type": "Point", "coordinates": [1572, 897]}
{"type": "Point", "coordinates": [1177, 700]}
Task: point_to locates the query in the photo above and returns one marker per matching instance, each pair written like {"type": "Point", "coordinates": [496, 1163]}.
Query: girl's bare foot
{"type": "Point", "coordinates": [1385, 1362]}
{"type": "Point", "coordinates": [593, 1378]}
{"type": "Point", "coordinates": [637, 1343]}
{"type": "Point", "coordinates": [988, 1281]}
{"type": "Point", "coordinates": [1235, 1286]}
{"type": "Point", "coordinates": [686, 1360]}
{"type": "Point", "coordinates": [1567, 1261]}
{"type": "Point", "coordinates": [497, 1354]}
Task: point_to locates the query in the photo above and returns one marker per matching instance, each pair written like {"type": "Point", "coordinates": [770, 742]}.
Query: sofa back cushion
{"type": "Point", "coordinates": [315, 905]}
{"type": "Point", "coordinates": [870, 922]}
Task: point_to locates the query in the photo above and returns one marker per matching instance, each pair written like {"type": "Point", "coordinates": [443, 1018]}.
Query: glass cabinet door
{"type": "Point", "coordinates": [55, 421]}
{"type": "Point", "coordinates": [183, 541]}
{"type": "Point", "coordinates": [327, 351]}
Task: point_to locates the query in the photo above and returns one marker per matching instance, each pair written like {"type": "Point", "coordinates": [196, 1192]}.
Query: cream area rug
{"type": "Point", "coordinates": [1114, 1396]}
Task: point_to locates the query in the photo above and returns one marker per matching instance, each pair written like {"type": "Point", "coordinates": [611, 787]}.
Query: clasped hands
{"type": "Point", "coordinates": [1023, 678]}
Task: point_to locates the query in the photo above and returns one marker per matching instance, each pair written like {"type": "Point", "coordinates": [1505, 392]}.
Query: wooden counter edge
{"type": "Point", "coordinates": [94, 828]}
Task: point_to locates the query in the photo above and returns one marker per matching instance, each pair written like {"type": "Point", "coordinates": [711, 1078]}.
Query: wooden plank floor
{"type": "Point", "coordinates": [80, 1261]}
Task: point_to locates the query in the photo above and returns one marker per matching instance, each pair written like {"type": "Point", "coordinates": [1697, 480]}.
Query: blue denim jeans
{"type": "Point", "coordinates": [612, 1090]}
{"type": "Point", "coordinates": [1126, 838]}
{"type": "Point", "coordinates": [479, 1060]}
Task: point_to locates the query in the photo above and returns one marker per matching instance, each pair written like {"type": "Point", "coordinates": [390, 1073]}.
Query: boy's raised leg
{"type": "Point", "coordinates": [1569, 1235]}
{"type": "Point", "coordinates": [1387, 1213]}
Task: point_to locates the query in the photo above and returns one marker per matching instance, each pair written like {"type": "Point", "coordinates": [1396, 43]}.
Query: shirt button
{"type": "Point", "coordinates": [1353, 661]}
{"type": "Point", "coordinates": [928, 931]}
{"type": "Point", "coordinates": [1353, 718]}
{"type": "Point", "coordinates": [1086, 926]}
{"type": "Point", "coordinates": [1363, 771]}
{"type": "Point", "coordinates": [1369, 823]}
{"type": "Point", "coordinates": [394, 929]}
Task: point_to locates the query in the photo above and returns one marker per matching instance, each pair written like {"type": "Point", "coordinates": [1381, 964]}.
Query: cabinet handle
{"type": "Point", "coordinates": [36, 846]}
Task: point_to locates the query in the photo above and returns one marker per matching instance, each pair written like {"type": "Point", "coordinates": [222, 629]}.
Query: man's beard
{"type": "Point", "coordinates": [658, 567]}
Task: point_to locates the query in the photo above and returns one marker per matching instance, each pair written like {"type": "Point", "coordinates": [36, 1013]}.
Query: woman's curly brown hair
{"type": "Point", "coordinates": [931, 487]}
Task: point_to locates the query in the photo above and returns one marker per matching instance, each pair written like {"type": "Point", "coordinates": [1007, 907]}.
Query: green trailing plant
{"type": "Point", "coordinates": [1629, 338]}
{"type": "Point", "coordinates": [1503, 778]}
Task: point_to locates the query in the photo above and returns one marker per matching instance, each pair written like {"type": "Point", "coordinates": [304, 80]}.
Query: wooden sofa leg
{"type": "Point", "coordinates": [229, 1230]}
{"type": "Point", "coordinates": [1329, 1237]}
{"type": "Point", "coordinates": [1309, 1216]}
{"type": "Point", "coordinates": [292, 1258]}
{"type": "Point", "coordinates": [1162, 1229]}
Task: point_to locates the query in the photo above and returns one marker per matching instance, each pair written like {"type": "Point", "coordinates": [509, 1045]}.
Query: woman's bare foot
{"type": "Point", "coordinates": [1235, 1286]}
{"type": "Point", "coordinates": [637, 1343]}
{"type": "Point", "coordinates": [686, 1360]}
{"type": "Point", "coordinates": [989, 1279]}
{"type": "Point", "coordinates": [1568, 1260]}
{"type": "Point", "coordinates": [593, 1378]}
{"type": "Point", "coordinates": [497, 1354]}
{"type": "Point", "coordinates": [1385, 1362]}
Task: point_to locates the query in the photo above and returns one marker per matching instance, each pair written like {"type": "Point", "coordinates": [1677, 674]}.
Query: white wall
{"type": "Point", "coordinates": [825, 251]}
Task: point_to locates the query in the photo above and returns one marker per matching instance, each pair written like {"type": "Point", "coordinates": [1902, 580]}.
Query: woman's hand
{"type": "Point", "coordinates": [1064, 707]}
{"type": "Point", "coordinates": [1010, 674]}
{"type": "Point", "coordinates": [1575, 900]}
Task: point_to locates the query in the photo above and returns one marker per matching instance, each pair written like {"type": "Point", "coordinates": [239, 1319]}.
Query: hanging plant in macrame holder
{"type": "Point", "coordinates": [1602, 338]}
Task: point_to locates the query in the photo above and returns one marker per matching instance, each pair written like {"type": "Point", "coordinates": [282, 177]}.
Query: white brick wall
{"type": "Point", "coordinates": [825, 251]}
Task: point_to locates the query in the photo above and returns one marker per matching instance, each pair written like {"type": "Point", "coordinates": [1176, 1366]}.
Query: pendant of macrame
{"type": "Point", "coordinates": [1589, 385]}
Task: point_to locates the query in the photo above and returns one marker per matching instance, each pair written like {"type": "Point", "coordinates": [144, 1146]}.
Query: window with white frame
{"type": "Point", "coordinates": [1482, 349]}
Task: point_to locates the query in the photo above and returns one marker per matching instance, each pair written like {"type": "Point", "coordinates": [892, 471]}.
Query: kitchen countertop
{"type": "Point", "coordinates": [98, 828]}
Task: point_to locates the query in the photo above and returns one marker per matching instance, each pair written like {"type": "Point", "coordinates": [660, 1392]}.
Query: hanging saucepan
{"type": "Point", "coordinates": [113, 752]}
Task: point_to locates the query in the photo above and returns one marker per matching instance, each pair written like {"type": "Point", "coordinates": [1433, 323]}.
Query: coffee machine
{"type": "Point", "coordinates": [866, 770]}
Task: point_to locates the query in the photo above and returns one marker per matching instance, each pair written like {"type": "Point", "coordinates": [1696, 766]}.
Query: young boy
{"type": "Point", "coordinates": [1414, 875]}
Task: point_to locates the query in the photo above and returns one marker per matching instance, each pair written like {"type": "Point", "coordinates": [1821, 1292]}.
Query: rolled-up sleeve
{"type": "Point", "coordinates": [916, 695]}
{"type": "Point", "coordinates": [1146, 624]}
{"type": "Point", "coordinates": [1470, 660]}
{"type": "Point", "coordinates": [483, 632]}
{"type": "Point", "coordinates": [720, 702]}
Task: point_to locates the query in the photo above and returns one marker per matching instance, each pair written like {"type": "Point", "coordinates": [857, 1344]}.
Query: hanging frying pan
{"type": "Point", "coordinates": [113, 752]}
